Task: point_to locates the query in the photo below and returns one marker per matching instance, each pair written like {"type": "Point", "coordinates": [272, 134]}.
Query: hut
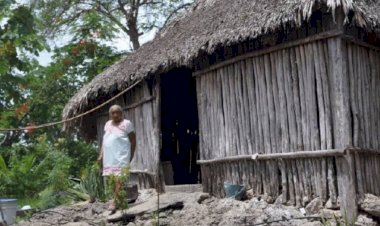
{"type": "Point", "coordinates": [281, 95]}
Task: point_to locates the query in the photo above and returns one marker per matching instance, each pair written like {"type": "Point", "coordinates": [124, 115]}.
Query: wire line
{"type": "Point", "coordinates": [50, 124]}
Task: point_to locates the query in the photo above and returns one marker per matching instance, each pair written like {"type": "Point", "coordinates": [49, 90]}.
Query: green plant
{"type": "Point", "coordinates": [92, 184]}
{"type": "Point", "coordinates": [336, 221]}
{"type": "Point", "coordinates": [37, 171]}
{"type": "Point", "coordinates": [120, 198]}
{"type": "Point", "coordinates": [154, 219]}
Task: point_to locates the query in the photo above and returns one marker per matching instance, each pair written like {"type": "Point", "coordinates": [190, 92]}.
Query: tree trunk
{"type": "Point", "coordinates": [134, 35]}
{"type": "Point", "coordinates": [131, 18]}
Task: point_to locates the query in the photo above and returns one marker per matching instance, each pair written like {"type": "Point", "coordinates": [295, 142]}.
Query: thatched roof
{"type": "Point", "coordinates": [209, 24]}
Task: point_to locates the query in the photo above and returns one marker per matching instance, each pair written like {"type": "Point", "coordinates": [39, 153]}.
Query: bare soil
{"type": "Point", "coordinates": [178, 209]}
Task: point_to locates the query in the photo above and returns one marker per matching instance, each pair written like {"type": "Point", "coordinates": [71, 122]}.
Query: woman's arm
{"type": "Point", "coordinates": [100, 158]}
{"type": "Point", "coordinates": [132, 139]}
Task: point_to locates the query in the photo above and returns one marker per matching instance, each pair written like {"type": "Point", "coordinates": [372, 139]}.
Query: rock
{"type": "Point", "coordinates": [99, 222]}
{"type": "Point", "coordinates": [77, 218]}
{"type": "Point", "coordinates": [203, 197]}
{"type": "Point", "coordinates": [314, 206]}
{"type": "Point", "coordinates": [82, 223]}
{"type": "Point", "coordinates": [176, 212]}
{"type": "Point", "coordinates": [258, 204]}
{"type": "Point", "coordinates": [98, 208]}
{"type": "Point", "coordinates": [131, 224]}
{"type": "Point", "coordinates": [146, 216]}
{"type": "Point", "coordinates": [167, 201]}
{"type": "Point", "coordinates": [267, 198]}
{"type": "Point", "coordinates": [313, 223]}
{"type": "Point", "coordinates": [364, 220]}
{"type": "Point", "coordinates": [212, 211]}
{"type": "Point", "coordinates": [331, 206]}
{"type": "Point", "coordinates": [305, 201]}
{"type": "Point", "coordinates": [106, 213]}
{"type": "Point", "coordinates": [278, 200]}
{"type": "Point", "coordinates": [150, 223]}
{"type": "Point", "coordinates": [250, 194]}
{"type": "Point", "coordinates": [371, 205]}
{"type": "Point", "coordinates": [40, 224]}
{"type": "Point", "coordinates": [326, 213]}
{"type": "Point", "coordinates": [162, 215]}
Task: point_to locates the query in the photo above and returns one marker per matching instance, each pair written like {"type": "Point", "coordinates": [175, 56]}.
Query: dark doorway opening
{"type": "Point", "coordinates": [179, 127]}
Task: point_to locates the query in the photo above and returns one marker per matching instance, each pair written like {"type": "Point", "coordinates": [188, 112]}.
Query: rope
{"type": "Point", "coordinates": [50, 124]}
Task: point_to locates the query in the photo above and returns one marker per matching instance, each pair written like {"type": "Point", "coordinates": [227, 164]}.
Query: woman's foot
{"type": "Point", "coordinates": [112, 208]}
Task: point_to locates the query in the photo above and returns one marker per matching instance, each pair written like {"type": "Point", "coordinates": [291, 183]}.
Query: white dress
{"type": "Point", "coordinates": [116, 147]}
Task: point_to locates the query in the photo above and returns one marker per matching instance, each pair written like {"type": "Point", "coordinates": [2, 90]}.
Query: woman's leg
{"type": "Point", "coordinates": [117, 187]}
{"type": "Point", "coordinates": [116, 192]}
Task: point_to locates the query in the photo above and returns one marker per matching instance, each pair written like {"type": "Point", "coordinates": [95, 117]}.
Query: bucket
{"type": "Point", "coordinates": [8, 209]}
{"type": "Point", "coordinates": [235, 191]}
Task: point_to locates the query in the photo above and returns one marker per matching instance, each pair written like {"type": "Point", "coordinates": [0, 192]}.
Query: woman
{"type": "Point", "coordinates": [118, 147]}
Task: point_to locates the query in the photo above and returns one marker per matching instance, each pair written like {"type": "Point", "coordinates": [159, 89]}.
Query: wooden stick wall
{"type": "Point", "coordinates": [297, 180]}
{"type": "Point", "coordinates": [276, 102]}
{"type": "Point", "coordinates": [367, 170]}
{"type": "Point", "coordinates": [364, 79]}
{"type": "Point", "coordinates": [364, 76]}
{"type": "Point", "coordinates": [295, 99]}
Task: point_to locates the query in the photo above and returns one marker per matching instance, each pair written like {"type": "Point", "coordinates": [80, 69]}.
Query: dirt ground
{"type": "Point", "coordinates": [185, 209]}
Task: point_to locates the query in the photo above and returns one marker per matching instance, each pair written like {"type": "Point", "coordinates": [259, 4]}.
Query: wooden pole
{"type": "Point", "coordinates": [347, 186]}
{"type": "Point", "coordinates": [285, 155]}
{"type": "Point", "coordinates": [320, 36]}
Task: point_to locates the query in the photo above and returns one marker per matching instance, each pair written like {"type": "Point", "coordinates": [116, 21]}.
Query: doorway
{"type": "Point", "coordinates": [179, 128]}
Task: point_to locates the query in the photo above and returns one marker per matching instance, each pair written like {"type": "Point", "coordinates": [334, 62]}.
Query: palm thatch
{"type": "Point", "coordinates": [209, 24]}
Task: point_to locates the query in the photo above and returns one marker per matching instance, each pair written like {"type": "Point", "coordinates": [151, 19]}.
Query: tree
{"type": "Point", "coordinates": [51, 87]}
{"type": "Point", "coordinates": [32, 94]}
{"type": "Point", "coordinates": [106, 18]}
{"type": "Point", "coordinates": [19, 41]}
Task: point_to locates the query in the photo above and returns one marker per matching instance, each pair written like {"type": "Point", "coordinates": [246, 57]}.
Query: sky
{"type": "Point", "coordinates": [121, 43]}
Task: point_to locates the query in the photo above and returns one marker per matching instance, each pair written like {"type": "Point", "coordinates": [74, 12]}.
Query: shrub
{"type": "Point", "coordinates": [92, 184]}
{"type": "Point", "coordinates": [36, 171]}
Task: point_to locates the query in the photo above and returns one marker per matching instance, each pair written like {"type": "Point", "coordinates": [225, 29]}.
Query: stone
{"type": "Point", "coordinates": [146, 216]}
{"type": "Point", "coordinates": [258, 204]}
{"type": "Point", "coordinates": [77, 218]}
{"type": "Point", "coordinates": [314, 206]}
{"type": "Point", "coordinates": [82, 223]}
{"type": "Point", "coordinates": [39, 224]}
{"type": "Point", "coordinates": [250, 194]}
{"type": "Point", "coordinates": [167, 201]}
{"type": "Point", "coordinates": [327, 213]}
{"type": "Point", "coordinates": [267, 198]}
{"type": "Point", "coordinates": [331, 206]}
{"type": "Point", "coordinates": [150, 223]}
{"type": "Point", "coordinates": [371, 205]}
{"type": "Point", "coordinates": [162, 215]}
{"type": "Point", "coordinates": [305, 201]}
{"type": "Point", "coordinates": [313, 223]}
{"type": "Point", "coordinates": [98, 208]}
{"type": "Point", "coordinates": [203, 197]}
{"type": "Point", "coordinates": [364, 220]}
{"type": "Point", "coordinates": [106, 213]}
{"type": "Point", "coordinates": [217, 212]}
{"type": "Point", "coordinates": [176, 212]}
{"type": "Point", "coordinates": [278, 201]}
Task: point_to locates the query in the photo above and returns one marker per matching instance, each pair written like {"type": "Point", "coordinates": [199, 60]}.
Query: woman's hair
{"type": "Point", "coordinates": [116, 108]}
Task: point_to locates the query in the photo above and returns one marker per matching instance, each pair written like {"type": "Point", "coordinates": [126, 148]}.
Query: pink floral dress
{"type": "Point", "coordinates": [116, 147]}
